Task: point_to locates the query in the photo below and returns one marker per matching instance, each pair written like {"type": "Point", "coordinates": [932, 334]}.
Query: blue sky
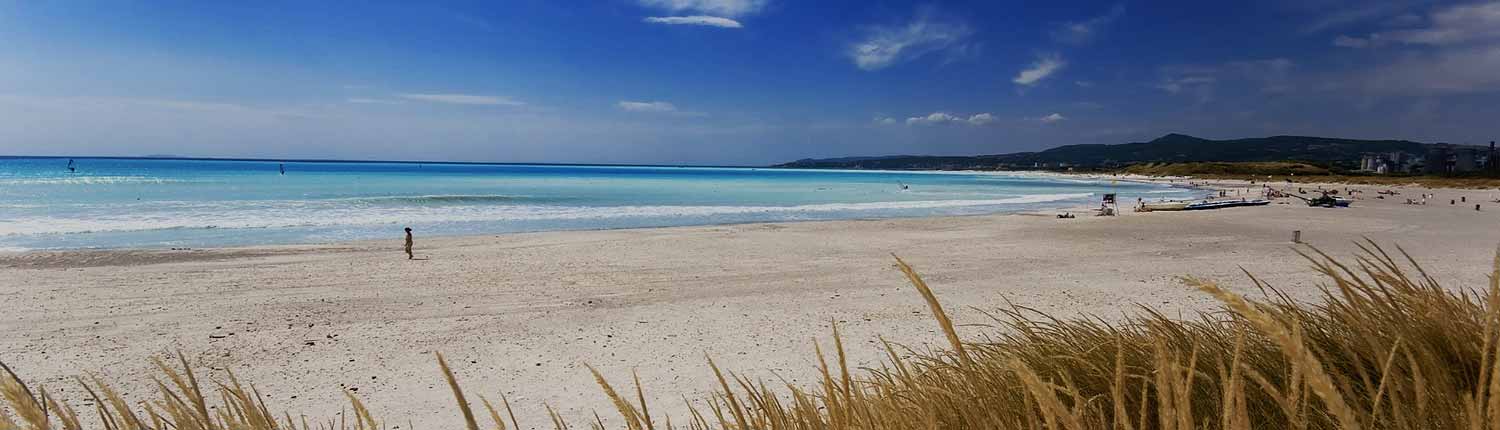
{"type": "Point", "coordinates": [729, 81]}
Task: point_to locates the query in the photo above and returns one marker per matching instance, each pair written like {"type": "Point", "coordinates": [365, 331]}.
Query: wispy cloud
{"type": "Point", "coordinates": [944, 118]}
{"type": "Point", "coordinates": [1081, 32]}
{"type": "Point", "coordinates": [1447, 71]}
{"type": "Point", "coordinates": [723, 8]}
{"type": "Point", "coordinates": [883, 46]}
{"type": "Point", "coordinates": [630, 106]}
{"type": "Point", "coordinates": [656, 107]}
{"type": "Point", "coordinates": [707, 13]}
{"type": "Point", "coordinates": [463, 99]}
{"type": "Point", "coordinates": [1044, 66]}
{"type": "Point", "coordinates": [1356, 12]}
{"type": "Point", "coordinates": [709, 21]}
{"type": "Point", "coordinates": [1051, 118]}
{"type": "Point", "coordinates": [1202, 82]}
{"type": "Point", "coordinates": [1453, 25]}
{"type": "Point", "coordinates": [1271, 75]}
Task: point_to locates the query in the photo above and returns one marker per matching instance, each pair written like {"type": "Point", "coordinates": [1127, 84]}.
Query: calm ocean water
{"type": "Point", "coordinates": [113, 203]}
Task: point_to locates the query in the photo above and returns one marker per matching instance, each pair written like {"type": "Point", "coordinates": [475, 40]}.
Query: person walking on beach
{"type": "Point", "coordinates": [408, 243]}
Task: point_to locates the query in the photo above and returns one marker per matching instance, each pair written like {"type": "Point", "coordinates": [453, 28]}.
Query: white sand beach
{"type": "Point", "coordinates": [521, 314]}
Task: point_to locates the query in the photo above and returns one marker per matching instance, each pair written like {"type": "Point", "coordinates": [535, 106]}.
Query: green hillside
{"type": "Point", "coordinates": [1172, 148]}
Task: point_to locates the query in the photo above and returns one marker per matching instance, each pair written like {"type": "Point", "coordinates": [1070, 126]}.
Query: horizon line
{"type": "Point", "coordinates": [366, 161]}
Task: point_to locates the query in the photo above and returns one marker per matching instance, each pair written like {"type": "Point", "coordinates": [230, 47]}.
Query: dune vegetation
{"type": "Point", "coordinates": [1205, 169]}
{"type": "Point", "coordinates": [1383, 347]}
{"type": "Point", "coordinates": [1301, 172]}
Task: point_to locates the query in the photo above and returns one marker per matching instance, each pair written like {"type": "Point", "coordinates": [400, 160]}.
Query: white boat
{"type": "Point", "coordinates": [1220, 204]}
{"type": "Point", "coordinates": [1163, 206]}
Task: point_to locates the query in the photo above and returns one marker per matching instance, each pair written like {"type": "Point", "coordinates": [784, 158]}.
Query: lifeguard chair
{"type": "Point", "coordinates": [1109, 207]}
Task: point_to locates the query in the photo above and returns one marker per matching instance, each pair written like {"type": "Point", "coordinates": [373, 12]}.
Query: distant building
{"type": "Point", "coordinates": [1437, 160]}
{"type": "Point", "coordinates": [1445, 159]}
{"type": "Point", "coordinates": [1384, 162]}
{"type": "Point", "coordinates": [1463, 160]}
{"type": "Point", "coordinates": [1491, 161]}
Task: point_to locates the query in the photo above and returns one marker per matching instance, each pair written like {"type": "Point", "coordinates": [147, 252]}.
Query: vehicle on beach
{"type": "Point", "coordinates": [1328, 201]}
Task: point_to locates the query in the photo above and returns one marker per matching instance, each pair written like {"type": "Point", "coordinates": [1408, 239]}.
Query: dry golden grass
{"type": "Point", "coordinates": [1386, 347]}
{"type": "Point", "coordinates": [1261, 169]}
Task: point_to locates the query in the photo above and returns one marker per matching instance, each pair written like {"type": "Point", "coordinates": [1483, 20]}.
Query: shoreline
{"type": "Point", "coordinates": [11, 253]}
{"type": "Point", "coordinates": [166, 227]}
{"type": "Point", "coordinates": [10, 258]}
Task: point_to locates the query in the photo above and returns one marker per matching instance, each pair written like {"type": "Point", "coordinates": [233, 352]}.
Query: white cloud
{"type": "Point", "coordinates": [883, 46]}
{"type": "Point", "coordinates": [1463, 70]}
{"type": "Point", "coordinates": [1044, 66]}
{"type": "Point", "coordinates": [709, 21]}
{"type": "Point", "coordinates": [1353, 13]}
{"type": "Point", "coordinates": [981, 119]}
{"type": "Point", "coordinates": [655, 107]}
{"type": "Point", "coordinates": [463, 99]}
{"type": "Point", "coordinates": [944, 118]}
{"type": "Point", "coordinates": [1081, 32]}
{"type": "Point", "coordinates": [723, 8]}
{"type": "Point", "coordinates": [1453, 25]}
{"type": "Point", "coordinates": [1451, 49]}
{"type": "Point", "coordinates": [1054, 117]}
{"type": "Point", "coordinates": [885, 120]}
{"type": "Point", "coordinates": [932, 119]}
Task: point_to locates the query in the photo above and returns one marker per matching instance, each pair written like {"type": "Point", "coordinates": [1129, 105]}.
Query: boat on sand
{"type": "Point", "coordinates": [1220, 204]}
{"type": "Point", "coordinates": [1167, 205]}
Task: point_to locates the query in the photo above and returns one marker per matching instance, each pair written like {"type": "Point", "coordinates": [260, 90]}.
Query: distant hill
{"type": "Point", "coordinates": [1172, 148]}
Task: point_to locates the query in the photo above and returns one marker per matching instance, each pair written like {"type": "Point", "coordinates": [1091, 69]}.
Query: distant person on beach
{"type": "Point", "coordinates": [282, 167]}
{"type": "Point", "coordinates": [71, 167]}
{"type": "Point", "coordinates": [408, 243]}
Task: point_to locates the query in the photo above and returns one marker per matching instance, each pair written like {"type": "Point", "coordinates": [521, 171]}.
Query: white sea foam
{"type": "Point", "coordinates": [85, 180]}
{"type": "Point", "coordinates": [304, 214]}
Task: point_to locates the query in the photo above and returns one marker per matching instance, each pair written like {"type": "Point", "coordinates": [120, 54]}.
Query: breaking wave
{"type": "Point", "coordinates": [282, 216]}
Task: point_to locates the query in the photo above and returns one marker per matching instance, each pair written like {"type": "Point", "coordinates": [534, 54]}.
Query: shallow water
{"type": "Point", "coordinates": [112, 203]}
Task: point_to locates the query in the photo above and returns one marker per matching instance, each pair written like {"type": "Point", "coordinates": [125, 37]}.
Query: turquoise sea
{"type": "Point", "coordinates": [114, 203]}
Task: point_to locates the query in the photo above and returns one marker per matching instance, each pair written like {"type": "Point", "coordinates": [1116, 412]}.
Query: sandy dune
{"type": "Point", "coordinates": [521, 314]}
